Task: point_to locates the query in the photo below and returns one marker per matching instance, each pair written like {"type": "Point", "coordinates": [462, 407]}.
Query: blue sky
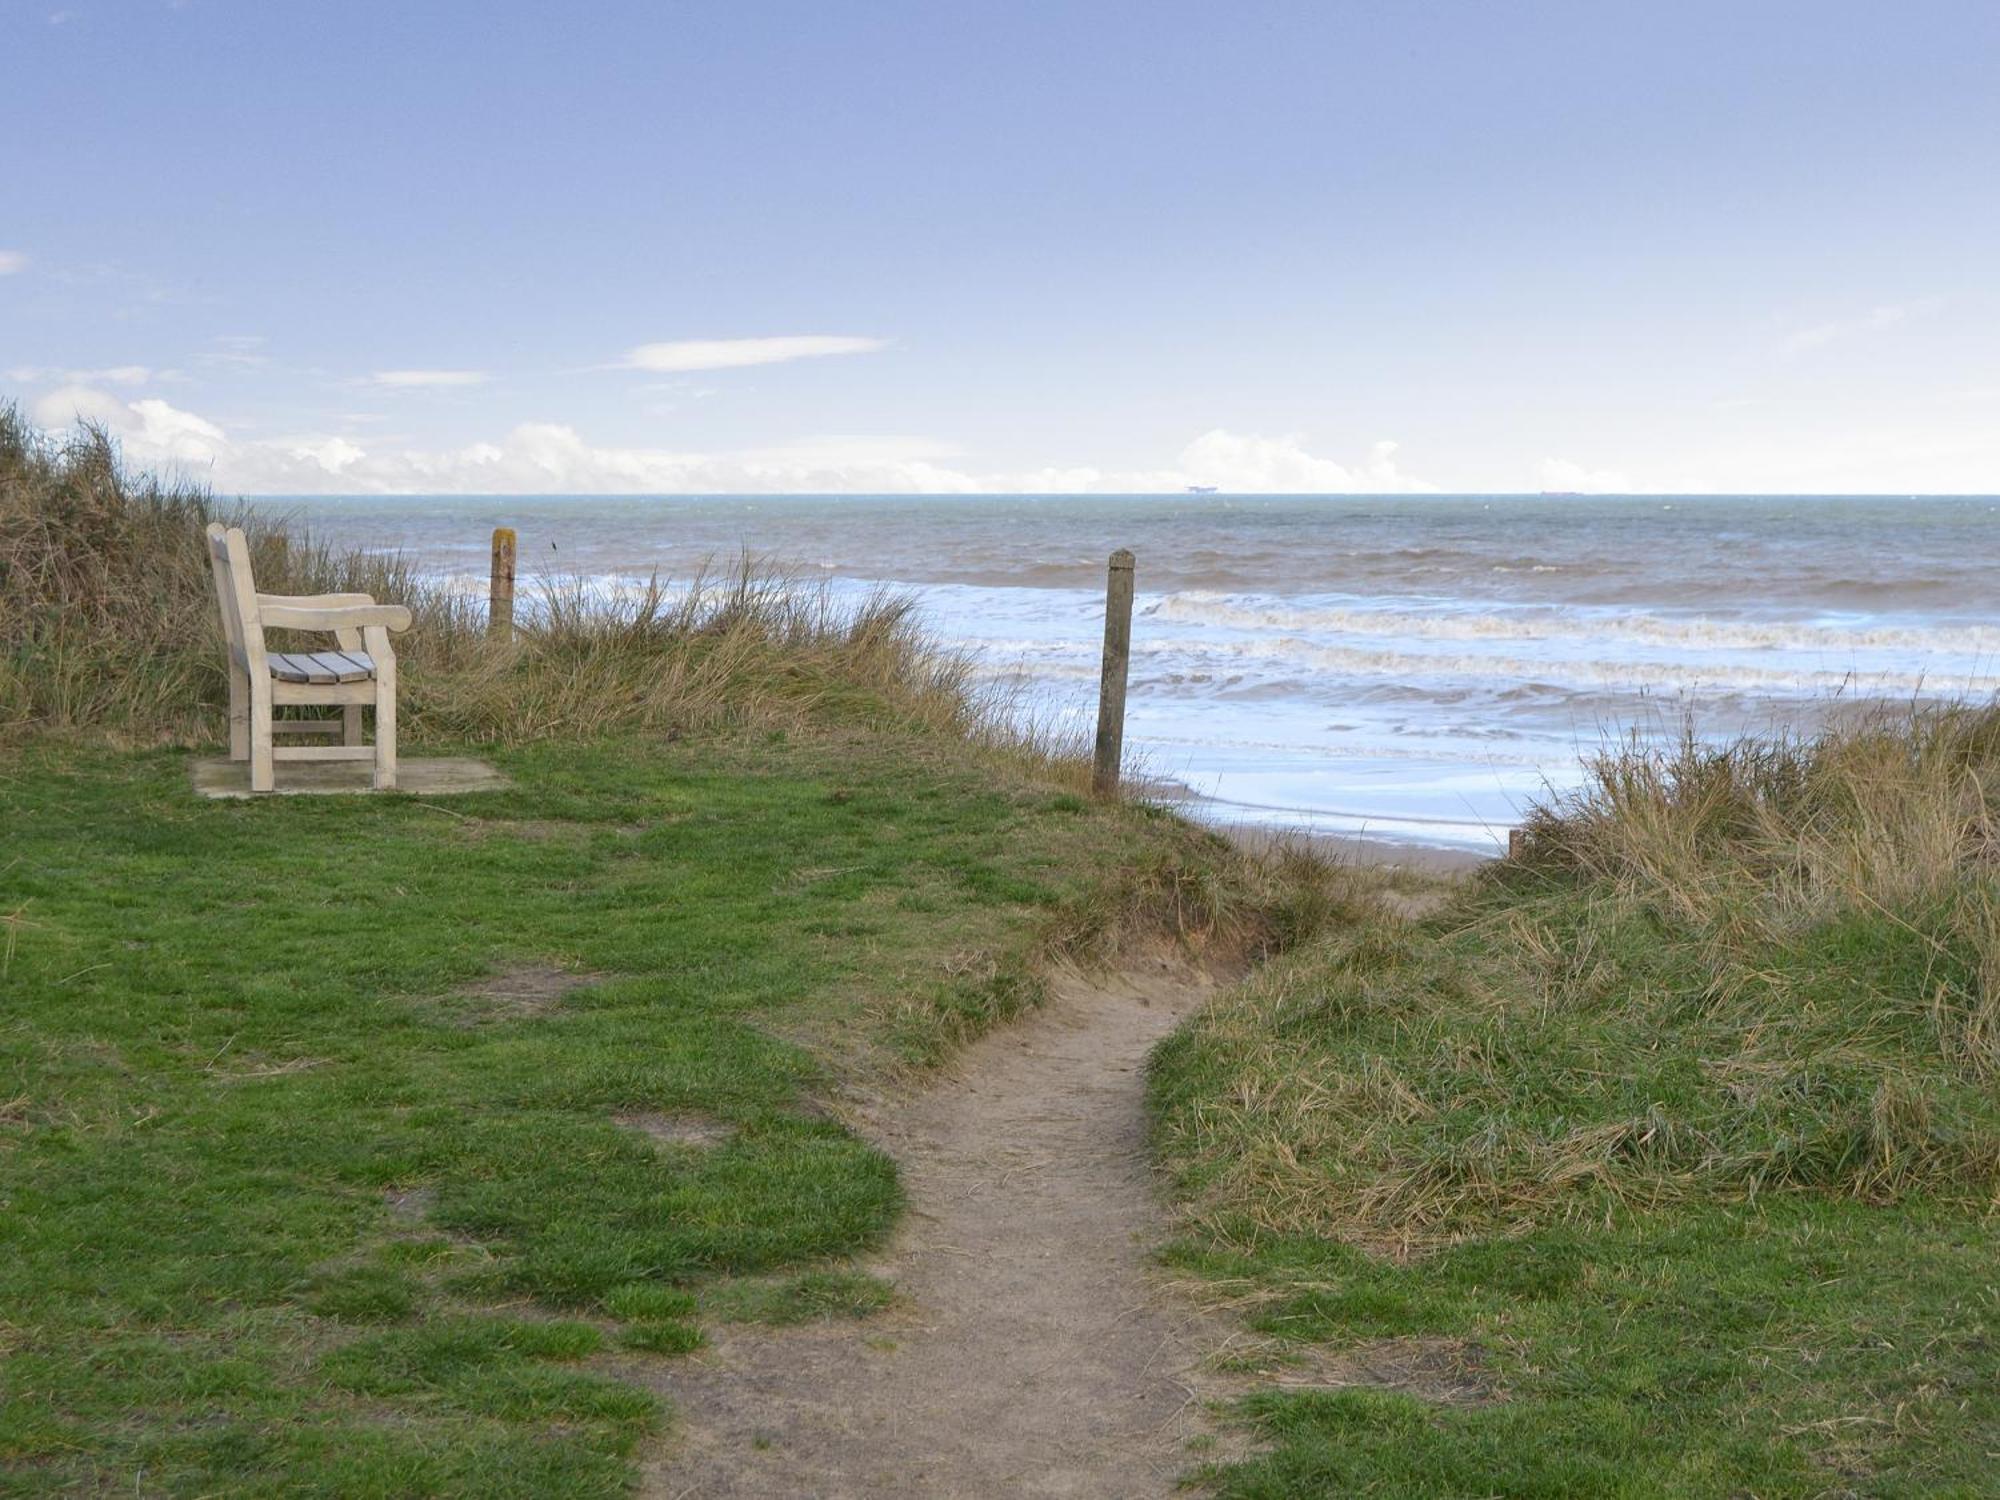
{"type": "Point", "coordinates": [1479, 246]}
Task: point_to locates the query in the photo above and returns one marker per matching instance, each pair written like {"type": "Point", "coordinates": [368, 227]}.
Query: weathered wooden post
{"type": "Point", "coordinates": [1117, 661]}
{"type": "Point", "coordinates": [500, 594]}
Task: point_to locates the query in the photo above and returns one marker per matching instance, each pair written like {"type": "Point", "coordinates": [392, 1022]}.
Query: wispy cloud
{"type": "Point", "coordinates": [1255, 464]}
{"type": "Point", "coordinates": [420, 379]}
{"type": "Point", "coordinates": [727, 354]}
{"type": "Point", "coordinates": [1875, 320]}
{"type": "Point", "coordinates": [554, 457]}
{"type": "Point", "coordinates": [113, 375]}
{"type": "Point", "coordinates": [12, 262]}
{"type": "Point", "coordinates": [241, 351]}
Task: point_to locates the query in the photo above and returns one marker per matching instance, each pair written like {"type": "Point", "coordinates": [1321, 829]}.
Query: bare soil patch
{"type": "Point", "coordinates": [410, 1205]}
{"type": "Point", "coordinates": [516, 993]}
{"type": "Point", "coordinates": [1032, 1349]}
{"type": "Point", "coordinates": [683, 1129]}
{"type": "Point", "coordinates": [1450, 1372]}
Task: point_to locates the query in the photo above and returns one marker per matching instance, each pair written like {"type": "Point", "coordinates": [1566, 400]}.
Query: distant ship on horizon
{"type": "Point", "coordinates": [1201, 489]}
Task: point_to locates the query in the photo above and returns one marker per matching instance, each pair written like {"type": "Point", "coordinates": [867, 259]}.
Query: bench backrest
{"type": "Point", "coordinates": [236, 597]}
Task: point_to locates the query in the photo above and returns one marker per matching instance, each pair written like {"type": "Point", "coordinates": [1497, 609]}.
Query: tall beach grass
{"type": "Point", "coordinates": [1715, 973]}
{"type": "Point", "coordinates": [108, 623]}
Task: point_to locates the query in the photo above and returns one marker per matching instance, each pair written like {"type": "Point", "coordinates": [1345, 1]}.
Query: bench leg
{"type": "Point", "coordinates": [239, 713]}
{"type": "Point", "coordinates": [350, 724]}
{"type": "Point", "coordinates": [263, 776]}
{"type": "Point", "coordinates": [385, 725]}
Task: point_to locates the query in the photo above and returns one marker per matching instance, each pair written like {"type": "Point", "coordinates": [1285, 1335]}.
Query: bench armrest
{"type": "Point", "coordinates": [313, 601]}
{"type": "Point", "coordinates": [281, 613]}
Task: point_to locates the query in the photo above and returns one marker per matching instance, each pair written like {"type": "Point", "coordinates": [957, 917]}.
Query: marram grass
{"type": "Point", "coordinates": [108, 625]}
{"type": "Point", "coordinates": [1681, 1129]}
{"type": "Point", "coordinates": [1760, 968]}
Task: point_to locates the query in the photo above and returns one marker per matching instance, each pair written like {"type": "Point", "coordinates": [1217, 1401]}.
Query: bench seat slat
{"type": "Point", "coordinates": [321, 666]}
{"type": "Point", "coordinates": [357, 660]}
{"type": "Point", "coordinates": [349, 669]}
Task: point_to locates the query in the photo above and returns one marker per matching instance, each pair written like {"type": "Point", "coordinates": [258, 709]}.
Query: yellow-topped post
{"type": "Point", "coordinates": [500, 595]}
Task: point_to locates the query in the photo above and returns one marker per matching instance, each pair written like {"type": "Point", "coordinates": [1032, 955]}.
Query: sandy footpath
{"type": "Point", "coordinates": [1032, 1352]}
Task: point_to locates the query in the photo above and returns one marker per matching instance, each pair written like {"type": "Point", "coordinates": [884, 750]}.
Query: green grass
{"type": "Point", "coordinates": [1678, 1139]}
{"type": "Point", "coordinates": [811, 1296]}
{"type": "Point", "coordinates": [667, 1336]}
{"type": "Point", "coordinates": [1786, 1349]}
{"type": "Point", "coordinates": [287, 1204]}
{"type": "Point", "coordinates": [1682, 1132]}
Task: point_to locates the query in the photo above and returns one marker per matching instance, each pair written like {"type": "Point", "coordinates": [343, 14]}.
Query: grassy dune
{"type": "Point", "coordinates": [1681, 1132]}
{"type": "Point", "coordinates": [346, 1143]}
{"type": "Point", "coordinates": [356, 1146]}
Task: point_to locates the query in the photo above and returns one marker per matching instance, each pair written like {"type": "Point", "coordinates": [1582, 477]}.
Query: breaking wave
{"type": "Point", "coordinates": [1445, 623]}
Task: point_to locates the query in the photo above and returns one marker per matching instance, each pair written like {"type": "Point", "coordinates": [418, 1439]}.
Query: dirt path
{"type": "Point", "coordinates": [1032, 1355]}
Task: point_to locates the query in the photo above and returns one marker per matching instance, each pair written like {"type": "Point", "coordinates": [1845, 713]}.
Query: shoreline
{"type": "Point", "coordinates": [1434, 860]}
{"type": "Point", "coordinates": [1368, 851]}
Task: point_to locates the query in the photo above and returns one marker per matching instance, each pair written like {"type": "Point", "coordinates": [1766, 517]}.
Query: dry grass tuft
{"type": "Point", "coordinates": [109, 624]}
{"type": "Point", "coordinates": [1885, 810]}
{"type": "Point", "coordinates": [1766, 967]}
{"type": "Point", "coordinates": [1216, 900]}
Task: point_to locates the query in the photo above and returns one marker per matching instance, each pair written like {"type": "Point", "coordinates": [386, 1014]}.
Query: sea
{"type": "Point", "coordinates": [1410, 669]}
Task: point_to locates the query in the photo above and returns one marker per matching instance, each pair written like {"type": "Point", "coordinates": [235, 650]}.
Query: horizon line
{"type": "Point", "coordinates": [1117, 495]}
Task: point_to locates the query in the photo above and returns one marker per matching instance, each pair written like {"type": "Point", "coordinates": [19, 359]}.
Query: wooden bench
{"type": "Point", "coordinates": [361, 671]}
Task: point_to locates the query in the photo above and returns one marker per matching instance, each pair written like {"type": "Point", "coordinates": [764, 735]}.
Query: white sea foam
{"type": "Point", "coordinates": [1300, 657]}
{"type": "Point", "coordinates": [1416, 667]}
{"type": "Point", "coordinates": [1200, 665]}
{"type": "Point", "coordinates": [1552, 623]}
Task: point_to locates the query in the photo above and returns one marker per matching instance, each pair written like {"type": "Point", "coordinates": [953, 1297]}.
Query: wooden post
{"type": "Point", "coordinates": [500, 596]}
{"type": "Point", "coordinates": [1517, 842]}
{"type": "Point", "coordinates": [1117, 661]}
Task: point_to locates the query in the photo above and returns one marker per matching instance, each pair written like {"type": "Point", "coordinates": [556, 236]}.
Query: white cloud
{"type": "Point", "coordinates": [1281, 465]}
{"type": "Point", "coordinates": [410, 379]}
{"type": "Point", "coordinates": [71, 404]}
{"type": "Point", "coordinates": [182, 435]}
{"type": "Point", "coordinates": [243, 351]}
{"type": "Point", "coordinates": [1938, 445]}
{"type": "Point", "coordinates": [330, 455]}
{"type": "Point", "coordinates": [150, 430]}
{"type": "Point", "coordinates": [728, 354]}
{"type": "Point", "coordinates": [555, 458]}
{"type": "Point", "coordinates": [1563, 475]}
{"type": "Point", "coordinates": [535, 457]}
{"type": "Point", "coordinates": [12, 262]}
{"type": "Point", "coordinates": [1875, 320]}
{"type": "Point", "coordinates": [113, 375]}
